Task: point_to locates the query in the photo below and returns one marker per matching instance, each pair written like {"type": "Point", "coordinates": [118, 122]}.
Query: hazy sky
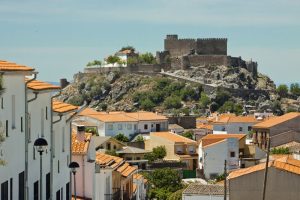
{"type": "Point", "coordinates": [59, 37]}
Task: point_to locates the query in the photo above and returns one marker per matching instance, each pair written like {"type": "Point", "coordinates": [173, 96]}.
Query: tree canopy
{"type": "Point", "coordinates": [282, 90]}
{"type": "Point", "coordinates": [295, 89]}
{"type": "Point", "coordinates": [94, 63]}
{"type": "Point", "coordinates": [147, 58]}
{"type": "Point", "coordinates": [157, 153]}
{"type": "Point", "coordinates": [121, 137]}
{"type": "Point", "coordinates": [113, 59]}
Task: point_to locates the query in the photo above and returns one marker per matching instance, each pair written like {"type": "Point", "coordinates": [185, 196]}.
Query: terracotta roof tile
{"type": "Point", "coordinates": [40, 85]}
{"type": "Point", "coordinates": [276, 120]}
{"type": "Point", "coordinates": [108, 160]}
{"type": "Point", "coordinates": [9, 66]}
{"type": "Point", "coordinates": [214, 138]}
{"type": "Point", "coordinates": [122, 116]}
{"type": "Point", "coordinates": [237, 119]}
{"type": "Point", "coordinates": [80, 147]}
{"type": "Point", "coordinates": [61, 107]}
{"type": "Point", "coordinates": [173, 137]}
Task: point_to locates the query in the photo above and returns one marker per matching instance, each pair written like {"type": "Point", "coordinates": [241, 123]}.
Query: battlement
{"type": "Point", "coordinates": [202, 46]}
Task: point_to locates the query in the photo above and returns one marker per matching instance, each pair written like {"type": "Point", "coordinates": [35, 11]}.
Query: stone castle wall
{"type": "Point", "coordinates": [205, 46]}
{"type": "Point", "coordinates": [197, 60]}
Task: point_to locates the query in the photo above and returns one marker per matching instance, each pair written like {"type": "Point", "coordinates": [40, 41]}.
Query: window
{"type": "Point", "coordinates": [46, 113]}
{"type": "Point", "coordinates": [58, 166]}
{"type": "Point", "coordinates": [2, 103]}
{"type": "Point", "coordinates": [146, 126]}
{"type": "Point", "coordinates": [138, 158]}
{"type": "Point", "coordinates": [58, 195]}
{"type": "Point", "coordinates": [232, 154]}
{"type": "Point", "coordinates": [68, 191]}
{"type": "Point", "coordinates": [22, 186]}
{"type": "Point", "coordinates": [68, 160]}
{"type": "Point", "coordinates": [240, 129]}
{"type": "Point", "coordinates": [110, 127]}
{"type": "Point", "coordinates": [13, 112]}
{"type": "Point", "coordinates": [6, 128]}
{"type": "Point", "coordinates": [223, 128]}
{"type": "Point", "coordinates": [42, 122]}
{"type": "Point", "coordinates": [48, 186]}
{"type": "Point", "coordinates": [11, 189]}
{"type": "Point", "coordinates": [115, 147]}
{"type": "Point", "coordinates": [33, 152]}
{"type": "Point", "coordinates": [108, 146]}
{"type": "Point", "coordinates": [21, 124]}
{"type": "Point", "coordinates": [36, 190]}
{"type": "Point", "coordinates": [120, 127]}
{"type": "Point", "coordinates": [135, 127]}
{"type": "Point", "coordinates": [129, 126]}
{"type": "Point", "coordinates": [4, 190]}
{"type": "Point", "coordinates": [249, 128]}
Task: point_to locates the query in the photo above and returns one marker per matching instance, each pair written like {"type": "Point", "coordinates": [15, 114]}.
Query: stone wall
{"type": "Point", "coordinates": [211, 46]}
{"type": "Point", "coordinates": [187, 122]}
{"type": "Point", "coordinates": [202, 46]}
{"type": "Point", "coordinates": [198, 60]}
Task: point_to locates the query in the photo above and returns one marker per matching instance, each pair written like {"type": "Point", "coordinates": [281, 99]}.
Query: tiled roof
{"type": "Point", "coordinates": [276, 120]}
{"type": "Point", "coordinates": [62, 107]}
{"type": "Point", "coordinates": [214, 138]}
{"type": "Point", "coordinates": [122, 116]}
{"type": "Point", "coordinates": [286, 163]}
{"type": "Point", "coordinates": [236, 119]}
{"type": "Point", "coordinates": [40, 85]}
{"type": "Point", "coordinates": [80, 147]}
{"type": "Point", "coordinates": [9, 66]}
{"type": "Point", "coordinates": [108, 160]}
{"type": "Point", "coordinates": [146, 116]}
{"type": "Point", "coordinates": [200, 189]}
{"type": "Point", "coordinates": [204, 126]}
{"type": "Point", "coordinates": [173, 137]}
{"type": "Point", "coordinates": [137, 176]}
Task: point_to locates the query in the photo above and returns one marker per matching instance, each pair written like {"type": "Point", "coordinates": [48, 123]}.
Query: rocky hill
{"type": "Point", "coordinates": [129, 92]}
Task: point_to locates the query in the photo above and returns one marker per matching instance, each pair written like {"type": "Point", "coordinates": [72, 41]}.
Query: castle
{"type": "Point", "coordinates": [184, 53]}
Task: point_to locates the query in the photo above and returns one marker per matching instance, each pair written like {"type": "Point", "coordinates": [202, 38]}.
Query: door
{"type": "Point", "coordinates": [157, 127]}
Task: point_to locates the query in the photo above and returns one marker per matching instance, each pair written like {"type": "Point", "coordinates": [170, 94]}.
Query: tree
{"type": "Point", "coordinates": [176, 195]}
{"type": "Point", "coordinates": [147, 58]}
{"type": "Point", "coordinates": [121, 137]}
{"type": "Point", "coordinates": [282, 90]}
{"type": "Point", "coordinates": [221, 97]}
{"type": "Point", "coordinates": [295, 89]}
{"type": "Point", "coordinates": [164, 182]}
{"type": "Point", "coordinates": [113, 59]}
{"type": "Point", "coordinates": [188, 134]}
{"type": "Point", "coordinates": [131, 48]}
{"type": "Point", "coordinates": [147, 104]}
{"type": "Point", "coordinates": [230, 106]}
{"type": "Point", "coordinates": [93, 63]}
{"type": "Point", "coordinates": [160, 152]}
{"type": "Point", "coordinates": [204, 100]}
{"type": "Point", "coordinates": [92, 130]}
{"type": "Point", "coordinates": [172, 102]}
{"type": "Point", "coordinates": [139, 139]}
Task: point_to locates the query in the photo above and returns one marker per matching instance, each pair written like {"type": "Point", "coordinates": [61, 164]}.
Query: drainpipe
{"type": "Point", "coordinates": [52, 143]}
{"type": "Point", "coordinates": [26, 135]}
{"type": "Point", "coordinates": [34, 98]}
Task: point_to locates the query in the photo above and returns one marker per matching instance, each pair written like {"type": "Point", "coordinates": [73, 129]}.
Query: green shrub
{"type": "Point", "coordinates": [282, 90]}
{"type": "Point", "coordinates": [121, 137]}
{"type": "Point", "coordinates": [188, 134]}
{"type": "Point", "coordinates": [280, 150]}
{"type": "Point", "coordinates": [147, 58]}
{"type": "Point", "coordinates": [232, 107]}
{"type": "Point", "coordinates": [204, 100]}
{"type": "Point", "coordinates": [172, 102]}
{"type": "Point", "coordinates": [295, 89]}
{"type": "Point", "coordinates": [147, 104]}
{"type": "Point", "coordinates": [189, 93]}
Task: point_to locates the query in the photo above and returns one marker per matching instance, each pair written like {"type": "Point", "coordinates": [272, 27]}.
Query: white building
{"type": "Point", "coordinates": [83, 152]}
{"type": "Point", "coordinates": [234, 124]}
{"type": "Point", "coordinates": [12, 130]}
{"type": "Point", "coordinates": [198, 191]}
{"type": "Point", "coordinates": [61, 145]}
{"type": "Point", "coordinates": [214, 150]}
{"type": "Point", "coordinates": [129, 124]}
{"type": "Point", "coordinates": [20, 176]}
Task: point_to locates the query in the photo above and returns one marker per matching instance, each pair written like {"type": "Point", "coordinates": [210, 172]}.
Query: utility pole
{"type": "Point", "coordinates": [266, 170]}
{"type": "Point", "coordinates": [225, 181]}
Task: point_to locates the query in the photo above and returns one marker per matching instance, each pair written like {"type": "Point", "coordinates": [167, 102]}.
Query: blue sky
{"type": "Point", "coordinates": [59, 37]}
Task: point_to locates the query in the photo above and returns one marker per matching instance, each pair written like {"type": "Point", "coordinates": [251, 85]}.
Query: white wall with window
{"type": "Point", "coordinates": [12, 115]}
{"type": "Point", "coordinates": [113, 128]}
{"type": "Point", "coordinates": [230, 128]}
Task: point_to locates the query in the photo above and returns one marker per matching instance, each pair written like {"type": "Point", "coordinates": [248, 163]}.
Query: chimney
{"type": "Point", "coordinates": [80, 135]}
